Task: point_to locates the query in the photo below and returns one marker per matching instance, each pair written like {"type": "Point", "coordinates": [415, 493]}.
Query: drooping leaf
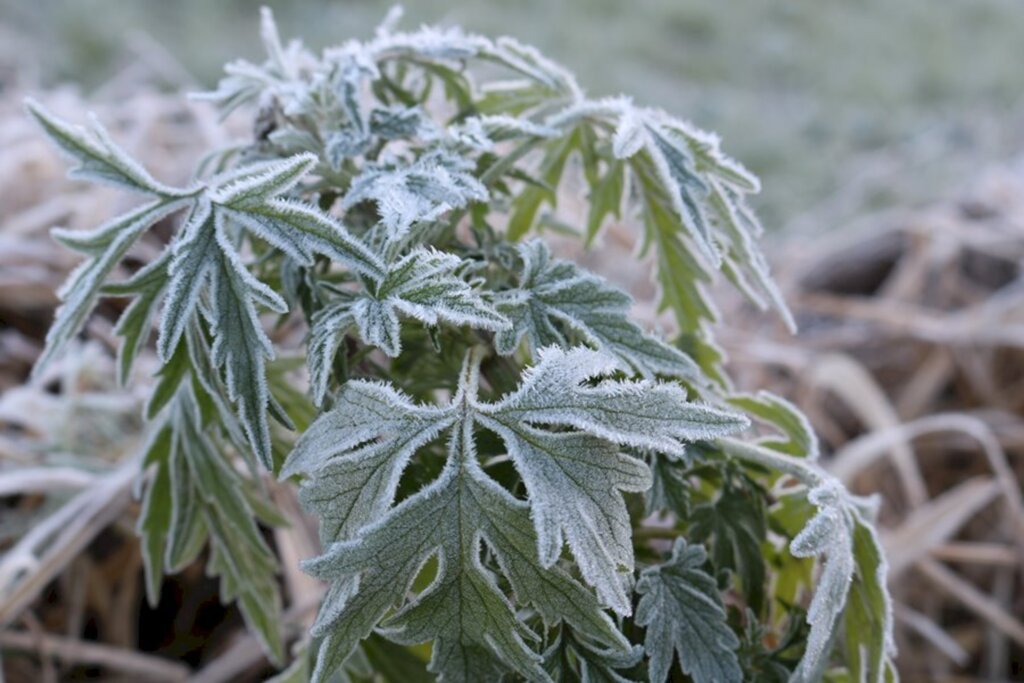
{"type": "Point", "coordinates": [197, 496]}
{"type": "Point", "coordinates": [528, 202]}
{"type": "Point", "coordinates": [606, 198]}
{"type": "Point", "coordinates": [868, 618]}
{"type": "Point", "coordinates": [136, 322]}
{"type": "Point", "coordinates": [669, 488]}
{"type": "Point", "coordinates": [683, 613]}
{"type": "Point", "coordinates": [571, 658]}
{"type": "Point", "coordinates": [155, 517]}
{"type": "Point", "coordinates": [828, 533]}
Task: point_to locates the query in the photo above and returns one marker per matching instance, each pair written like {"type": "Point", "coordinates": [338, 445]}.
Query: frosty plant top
{"type": "Point", "coordinates": [504, 465]}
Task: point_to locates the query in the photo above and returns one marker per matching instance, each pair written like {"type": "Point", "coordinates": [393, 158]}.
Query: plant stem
{"type": "Point", "coordinates": [805, 470]}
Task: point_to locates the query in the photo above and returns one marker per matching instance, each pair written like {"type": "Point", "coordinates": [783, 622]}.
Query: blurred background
{"type": "Point", "coordinates": [889, 136]}
{"type": "Point", "coordinates": [839, 105]}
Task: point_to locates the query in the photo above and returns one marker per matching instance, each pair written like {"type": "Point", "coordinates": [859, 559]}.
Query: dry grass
{"type": "Point", "coordinates": [909, 363]}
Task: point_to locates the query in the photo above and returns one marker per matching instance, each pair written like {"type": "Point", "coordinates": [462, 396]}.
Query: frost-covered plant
{"type": "Point", "coordinates": [499, 457]}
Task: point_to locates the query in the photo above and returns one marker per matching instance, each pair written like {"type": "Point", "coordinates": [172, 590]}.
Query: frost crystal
{"type": "Point", "coordinates": [561, 433]}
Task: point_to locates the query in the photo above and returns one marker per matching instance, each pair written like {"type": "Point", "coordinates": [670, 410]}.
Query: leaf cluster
{"type": "Point", "coordinates": [495, 449]}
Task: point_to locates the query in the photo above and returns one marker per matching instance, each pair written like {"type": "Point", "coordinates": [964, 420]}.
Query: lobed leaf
{"type": "Point", "coordinates": [554, 294]}
{"type": "Point", "coordinates": [421, 191]}
{"type": "Point", "coordinates": [98, 157]}
{"type": "Point", "coordinates": [683, 613]}
{"type": "Point", "coordinates": [355, 455]}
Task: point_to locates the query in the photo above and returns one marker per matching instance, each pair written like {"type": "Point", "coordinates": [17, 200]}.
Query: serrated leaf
{"type": "Point", "coordinates": [669, 488]}
{"type": "Point", "coordinates": [155, 517]}
{"type": "Point", "coordinates": [362, 445]}
{"type": "Point", "coordinates": [683, 613]}
{"type": "Point", "coordinates": [630, 135]}
{"type": "Point", "coordinates": [99, 158]}
{"type": "Point", "coordinates": [398, 122]}
{"type": "Point", "coordinates": [422, 191]}
{"type": "Point", "coordinates": [358, 453]}
{"type": "Point", "coordinates": [867, 621]}
{"type": "Point", "coordinates": [851, 586]}
{"type": "Point", "coordinates": [527, 203]}
{"type": "Point", "coordinates": [734, 527]}
{"type": "Point", "coordinates": [423, 285]}
{"type": "Point", "coordinates": [477, 633]}
{"type": "Point", "coordinates": [191, 263]}
{"type": "Point", "coordinates": [136, 322]}
{"type": "Point", "coordinates": [573, 659]}
{"type": "Point", "coordinates": [554, 294]}
{"type": "Point", "coordinates": [239, 555]}
{"type": "Point", "coordinates": [606, 198]}
{"type": "Point", "coordinates": [740, 229]}
{"type": "Point", "coordinates": [106, 247]}
{"type": "Point", "coordinates": [680, 276]}
{"type": "Point", "coordinates": [250, 186]}
{"type": "Point", "coordinates": [686, 189]}
{"type": "Point", "coordinates": [301, 231]}
{"type": "Point", "coordinates": [828, 533]}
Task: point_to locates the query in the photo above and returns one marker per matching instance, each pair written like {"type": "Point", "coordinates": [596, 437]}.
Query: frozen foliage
{"type": "Point", "coordinates": [487, 433]}
{"type": "Point", "coordinates": [839, 532]}
{"type": "Point", "coordinates": [553, 294]}
{"type": "Point", "coordinates": [683, 613]}
{"type": "Point", "coordinates": [423, 285]}
{"type": "Point", "coordinates": [204, 271]}
{"type": "Point", "coordinates": [562, 433]}
{"type": "Point", "coordinates": [197, 496]}
{"type": "Point", "coordinates": [421, 191]}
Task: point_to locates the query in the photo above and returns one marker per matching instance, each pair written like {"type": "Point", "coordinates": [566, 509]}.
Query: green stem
{"type": "Point", "coordinates": [805, 470]}
{"type": "Point", "coordinates": [647, 533]}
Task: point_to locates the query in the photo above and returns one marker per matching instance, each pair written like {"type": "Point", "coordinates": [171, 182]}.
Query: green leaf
{"type": "Point", "coordinates": [828, 534]}
{"type": "Point", "coordinates": [476, 630]}
{"type": "Point", "coordinates": [867, 621]}
{"type": "Point", "coordinates": [571, 658]}
{"type": "Point", "coordinates": [669, 488]}
{"type": "Point", "coordinates": [798, 439]}
{"type": "Point", "coordinates": [193, 259]}
{"type": "Point", "coordinates": [106, 247]}
{"type": "Point", "coordinates": [240, 346]}
{"type": "Point", "coordinates": [680, 276]}
{"type": "Point", "coordinates": [422, 191]}
{"type": "Point", "coordinates": [683, 613]}
{"type": "Point", "coordinates": [555, 297]}
{"type": "Point", "coordinates": [238, 554]}
{"type": "Point", "coordinates": [674, 167]}
{"type": "Point", "coordinates": [301, 230]}
{"type": "Point", "coordinates": [606, 198]}
{"type": "Point", "coordinates": [560, 431]}
{"type": "Point", "coordinates": [358, 452]}
{"type": "Point", "coordinates": [395, 663]}
{"type": "Point", "coordinates": [423, 285]}
{"type": "Point", "coordinates": [528, 201]}
{"type": "Point", "coordinates": [734, 527]}
{"type": "Point", "coordinates": [136, 322]}
{"type": "Point", "coordinates": [99, 158]}
{"type": "Point", "coordinates": [155, 517]}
